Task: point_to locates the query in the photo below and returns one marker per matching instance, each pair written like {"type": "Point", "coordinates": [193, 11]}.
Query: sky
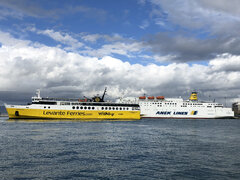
{"type": "Point", "coordinates": [76, 48]}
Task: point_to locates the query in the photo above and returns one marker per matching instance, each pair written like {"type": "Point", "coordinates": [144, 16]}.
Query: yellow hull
{"type": "Point", "coordinates": [23, 113]}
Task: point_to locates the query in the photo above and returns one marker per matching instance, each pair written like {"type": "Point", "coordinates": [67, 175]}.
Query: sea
{"type": "Point", "coordinates": [142, 149]}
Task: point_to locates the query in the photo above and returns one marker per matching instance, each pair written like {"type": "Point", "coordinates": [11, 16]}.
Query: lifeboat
{"type": "Point", "coordinates": [151, 97]}
{"type": "Point", "coordinates": [142, 97]}
{"type": "Point", "coordinates": [160, 97]}
{"type": "Point", "coordinates": [82, 100]}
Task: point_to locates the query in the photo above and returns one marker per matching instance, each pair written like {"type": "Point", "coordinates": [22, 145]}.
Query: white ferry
{"type": "Point", "coordinates": [87, 109]}
{"type": "Point", "coordinates": [161, 107]}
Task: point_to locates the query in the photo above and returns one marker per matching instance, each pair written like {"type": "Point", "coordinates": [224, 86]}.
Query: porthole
{"type": "Point", "coordinates": [81, 107]}
{"type": "Point", "coordinates": [85, 107]}
{"type": "Point", "coordinates": [77, 107]}
{"type": "Point", "coordinates": [73, 107]}
{"type": "Point", "coordinates": [120, 108]}
{"type": "Point", "coordinates": [106, 108]}
{"type": "Point", "coordinates": [93, 107]}
{"type": "Point", "coordinates": [44, 107]}
{"type": "Point", "coordinates": [48, 107]}
{"type": "Point", "coordinates": [109, 108]}
{"type": "Point", "coordinates": [89, 107]}
{"type": "Point", "coordinates": [113, 108]}
{"type": "Point", "coordinates": [116, 108]}
{"type": "Point", "coordinates": [102, 108]}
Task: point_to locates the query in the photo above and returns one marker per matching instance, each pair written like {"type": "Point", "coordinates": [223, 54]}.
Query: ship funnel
{"type": "Point", "coordinates": [193, 96]}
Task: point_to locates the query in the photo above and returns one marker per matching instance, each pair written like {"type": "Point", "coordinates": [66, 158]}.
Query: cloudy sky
{"type": "Point", "coordinates": [157, 47]}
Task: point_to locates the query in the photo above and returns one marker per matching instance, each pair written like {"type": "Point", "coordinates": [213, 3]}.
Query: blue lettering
{"type": "Point", "coordinates": [163, 112]}
{"type": "Point", "coordinates": [180, 113]}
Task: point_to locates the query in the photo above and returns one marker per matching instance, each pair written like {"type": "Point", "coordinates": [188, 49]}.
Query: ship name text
{"type": "Point", "coordinates": [106, 113]}
{"type": "Point", "coordinates": [171, 113]}
{"type": "Point", "coordinates": [62, 113]}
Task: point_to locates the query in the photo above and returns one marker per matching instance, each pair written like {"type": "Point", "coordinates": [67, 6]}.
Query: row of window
{"type": "Point", "coordinates": [85, 107]}
{"type": "Point", "coordinates": [175, 104]}
{"type": "Point", "coordinates": [46, 107]}
{"type": "Point", "coordinates": [184, 104]}
{"type": "Point", "coordinates": [92, 108]}
{"type": "Point", "coordinates": [98, 104]}
{"type": "Point", "coordinates": [103, 108]}
{"type": "Point", "coordinates": [195, 104]}
{"type": "Point", "coordinates": [191, 106]}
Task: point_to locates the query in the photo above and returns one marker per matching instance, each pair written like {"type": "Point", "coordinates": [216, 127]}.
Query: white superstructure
{"type": "Point", "coordinates": [161, 107]}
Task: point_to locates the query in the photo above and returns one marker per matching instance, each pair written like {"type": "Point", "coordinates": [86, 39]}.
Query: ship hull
{"type": "Point", "coordinates": [187, 117]}
{"type": "Point", "coordinates": [28, 113]}
{"type": "Point", "coordinates": [186, 113]}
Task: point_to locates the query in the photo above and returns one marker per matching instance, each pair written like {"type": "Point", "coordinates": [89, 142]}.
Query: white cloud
{"type": "Point", "coordinates": [194, 30]}
{"type": "Point", "coordinates": [5, 13]}
{"type": "Point", "coordinates": [226, 62]}
{"type": "Point", "coordinates": [226, 6]}
{"type": "Point", "coordinates": [199, 14]}
{"type": "Point", "coordinates": [60, 37]}
{"type": "Point", "coordinates": [144, 24]}
{"type": "Point", "coordinates": [6, 39]}
{"type": "Point", "coordinates": [114, 44]}
{"type": "Point", "coordinates": [26, 68]}
{"type": "Point", "coordinates": [167, 58]}
{"type": "Point", "coordinates": [120, 48]}
{"type": "Point", "coordinates": [91, 37]}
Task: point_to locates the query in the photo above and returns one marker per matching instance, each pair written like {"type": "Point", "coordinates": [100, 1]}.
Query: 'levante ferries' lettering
{"type": "Point", "coordinates": [62, 113]}
{"type": "Point", "coordinates": [169, 113]}
{"type": "Point", "coordinates": [75, 113]}
{"type": "Point", "coordinates": [69, 113]}
{"type": "Point", "coordinates": [54, 113]}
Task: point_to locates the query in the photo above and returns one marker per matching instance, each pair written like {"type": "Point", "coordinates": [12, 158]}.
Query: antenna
{"type": "Point", "coordinates": [38, 93]}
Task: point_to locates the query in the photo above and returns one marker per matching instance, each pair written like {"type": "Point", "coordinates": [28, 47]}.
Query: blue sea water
{"type": "Point", "coordinates": [144, 149]}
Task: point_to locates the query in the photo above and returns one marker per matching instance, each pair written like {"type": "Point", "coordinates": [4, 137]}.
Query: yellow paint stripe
{"type": "Point", "coordinates": [71, 114]}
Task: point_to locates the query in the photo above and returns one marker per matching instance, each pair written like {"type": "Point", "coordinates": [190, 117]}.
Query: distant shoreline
{"type": "Point", "coordinates": [3, 115]}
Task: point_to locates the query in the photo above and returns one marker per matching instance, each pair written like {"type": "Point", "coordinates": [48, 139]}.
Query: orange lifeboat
{"type": "Point", "coordinates": [160, 97]}
{"type": "Point", "coordinates": [151, 97]}
{"type": "Point", "coordinates": [142, 97]}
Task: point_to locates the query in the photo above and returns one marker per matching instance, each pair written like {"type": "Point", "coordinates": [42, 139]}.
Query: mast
{"type": "Point", "coordinates": [104, 94]}
{"type": "Point", "coordinates": [38, 93]}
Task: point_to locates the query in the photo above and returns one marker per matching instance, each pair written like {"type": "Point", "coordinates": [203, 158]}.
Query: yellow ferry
{"type": "Point", "coordinates": [86, 109]}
